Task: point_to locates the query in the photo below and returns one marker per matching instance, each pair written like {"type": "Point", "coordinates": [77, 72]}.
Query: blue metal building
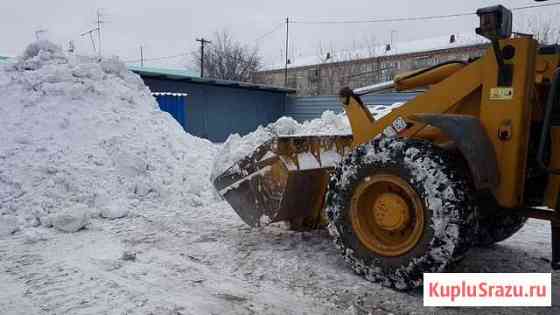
{"type": "Point", "coordinates": [214, 109]}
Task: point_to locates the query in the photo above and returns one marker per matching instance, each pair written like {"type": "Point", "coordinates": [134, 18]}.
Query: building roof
{"type": "Point", "coordinates": [169, 94]}
{"type": "Point", "coordinates": [178, 73]}
{"type": "Point", "coordinates": [4, 59]}
{"type": "Point", "coordinates": [398, 48]}
{"type": "Point", "coordinates": [187, 75]}
{"type": "Point", "coordinates": [183, 75]}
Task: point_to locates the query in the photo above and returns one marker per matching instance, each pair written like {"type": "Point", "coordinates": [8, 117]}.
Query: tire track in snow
{"type": "Point", "coordinates": [205, 261]}
{"type": "Point", "coordinates": [82, 273]}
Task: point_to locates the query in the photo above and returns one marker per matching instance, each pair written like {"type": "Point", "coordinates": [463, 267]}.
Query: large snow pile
{"type": "Point", "coordinates": [83, 137]}
{"type": "Point", "coordinates": [236, 147]}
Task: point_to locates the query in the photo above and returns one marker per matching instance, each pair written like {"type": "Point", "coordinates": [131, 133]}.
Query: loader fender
{"type": "Point", "coordinates": [472, 141]}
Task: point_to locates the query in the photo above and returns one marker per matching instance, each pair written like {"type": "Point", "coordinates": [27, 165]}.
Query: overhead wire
{"type": "Point", "coordinates": [385, 20]}
{"type": "Point", "coordinates": [270, 32]}
{"type": "Point", "coordinates": [157, 58]}
{"type": "Point", "coordinates": [261, 37]}
{"type": "Point", "coordinates": [417, 18]}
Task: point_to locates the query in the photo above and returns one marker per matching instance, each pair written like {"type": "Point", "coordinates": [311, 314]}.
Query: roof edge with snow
{"type": "Point", "coordinates": [175, 75]}
{"type": "Point", "coordinates": [5, 60]}
{"type": "Point", "coordinates": [434, 44]}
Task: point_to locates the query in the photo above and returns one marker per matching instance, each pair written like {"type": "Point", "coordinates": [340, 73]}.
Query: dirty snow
{"type": "Point", "coordinates": [83, 134]}
{"type": "Point", "coordinates": [237, 147]}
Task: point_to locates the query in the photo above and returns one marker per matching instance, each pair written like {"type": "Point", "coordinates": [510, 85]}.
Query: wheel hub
{"type": "Point", "coordinates": [387, 215]}
{"type": "Point", "coordinates": [391, 212]}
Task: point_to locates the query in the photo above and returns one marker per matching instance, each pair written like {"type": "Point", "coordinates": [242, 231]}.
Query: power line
{"type": "Point", "coordinates": [277, 27]}
{"type": "Point", "coordinates": [402, 19]}
{"type": "Point", "coordinates": [185, 54]}
{"type": "Point", "coordinates": [261, 37]}
{"type": "Point", "coordinates": [182, 55]}
{"type": "Point", "coordinates": [417, 18]}
{"type": "Point", "coordinates": [90, 33]}
{"type": "Point", "coordinates": [421, 18]}
{"type": "Point", "coordinates": [157, 58]}
{"type": "Point", "coordinates": [536, 6]}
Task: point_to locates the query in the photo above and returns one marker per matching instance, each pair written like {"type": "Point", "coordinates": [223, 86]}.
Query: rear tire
{"type": "Point", "coordinates": [497, 224]}
{"type": "Point", "coordinates": [443, 189]}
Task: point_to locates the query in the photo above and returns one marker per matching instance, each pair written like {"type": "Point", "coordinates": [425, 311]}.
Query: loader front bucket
{"type": "Point", "coordinates": [283, 179]}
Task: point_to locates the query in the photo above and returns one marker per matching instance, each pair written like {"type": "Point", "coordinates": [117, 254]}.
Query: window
{"type": "Point", "coordinates": [313, 75]}
{"type": "Point", "coordinates": [422, 62]}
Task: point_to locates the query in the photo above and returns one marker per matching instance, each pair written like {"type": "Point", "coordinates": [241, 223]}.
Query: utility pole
{"type": "Point", "coordinates": [71, 46]}
{"type": "Point", "coordinates": [287, 60]}
{"type": "Point", "coordinates": [98, 30]}
{"type": "Point", "coordinates": [99, 22]}
{"type": "Point", "coordinates": [90, 33]}
{"type": "Point", "coordinates": [392, 32]}
{"type": "Point", "coordinates": [141, 56]}
{"type": "Point", "coordinates": [203, 42]}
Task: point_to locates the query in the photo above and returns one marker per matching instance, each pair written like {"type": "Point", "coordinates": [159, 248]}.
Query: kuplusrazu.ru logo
{"type": "Point", "coordinates": [493, 289]}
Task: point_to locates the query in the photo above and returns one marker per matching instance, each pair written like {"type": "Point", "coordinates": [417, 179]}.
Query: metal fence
{"type": "Point", "coordinates": [175, 104]}
{"type": "Point", "coordinates": [311, 107]}
{"type": "Point", "coordinates": [217, 114]}
{"type": "Point", "coordinates": [215, 110]}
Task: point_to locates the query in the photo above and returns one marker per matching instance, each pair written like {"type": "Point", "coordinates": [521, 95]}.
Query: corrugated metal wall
{"type": "Point", "coordinates": [311, 107]}
{"type": "Point", "coordinates": [214, 112]}
{"type": "Point", "coordinates": [175, 105]}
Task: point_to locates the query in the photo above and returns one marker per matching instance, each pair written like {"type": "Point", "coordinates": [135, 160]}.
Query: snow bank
{"type": "Point", "coordinates": [83, 131]}
{"type": "Point", "coordinates": [236, 147]}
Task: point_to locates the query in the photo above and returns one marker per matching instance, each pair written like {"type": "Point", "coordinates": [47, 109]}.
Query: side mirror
{"type": "Point", "coordinates": [495, 22]}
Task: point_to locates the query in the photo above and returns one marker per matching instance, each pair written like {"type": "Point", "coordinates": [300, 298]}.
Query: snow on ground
{"type": "Point", "coordinates": [206, 261]}
{"type": "Point", "coordinates": [157, 241]}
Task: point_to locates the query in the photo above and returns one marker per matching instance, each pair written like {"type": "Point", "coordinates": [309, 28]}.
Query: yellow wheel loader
{"type": "Point", "coordinates": [465, 163]}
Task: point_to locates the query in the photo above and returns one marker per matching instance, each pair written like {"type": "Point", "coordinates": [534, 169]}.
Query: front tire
{"type": "Point", "coordinates": [408, 185]}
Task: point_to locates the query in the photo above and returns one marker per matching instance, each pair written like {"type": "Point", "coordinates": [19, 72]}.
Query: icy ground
{"type": "Point", "coordinates": [84, 149]}
{"type": "Point", "coordinates": [206, 261]}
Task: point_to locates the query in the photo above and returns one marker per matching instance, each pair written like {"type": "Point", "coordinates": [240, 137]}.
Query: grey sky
{"type": "Point", "coordinates": [169, 27]}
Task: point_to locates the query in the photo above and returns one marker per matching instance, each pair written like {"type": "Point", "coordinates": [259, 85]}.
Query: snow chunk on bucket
{"type": "Point", "coordinates": [236, 147]}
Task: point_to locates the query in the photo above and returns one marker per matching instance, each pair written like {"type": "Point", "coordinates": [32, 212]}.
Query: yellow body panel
{"type": "Point", "coordinates": [516, 113]}
{"type": "Point", "coordinates": [473, 90]}
{"type": "Point", "coordinates": [551, 196]}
